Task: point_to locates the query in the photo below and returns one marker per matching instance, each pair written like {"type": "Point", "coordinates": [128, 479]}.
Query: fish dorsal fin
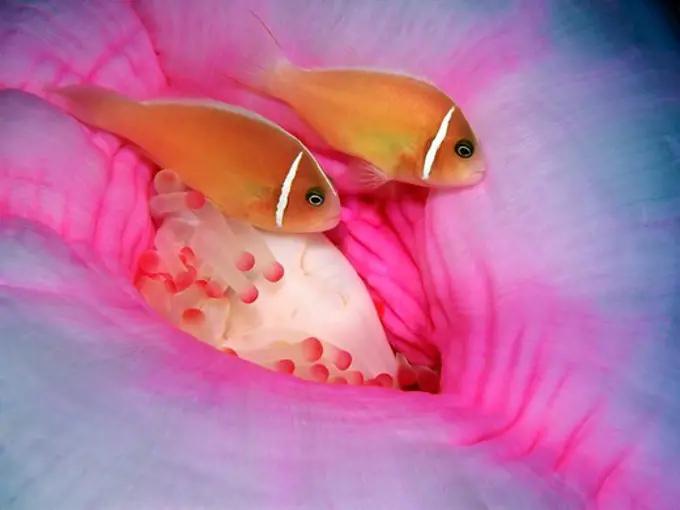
{"type": "Point", "coordinates": [376, 70]}
{"type": "Point", "coordinates": [237, 110]}
{"type": "Point", "coordinates": [219, 105]}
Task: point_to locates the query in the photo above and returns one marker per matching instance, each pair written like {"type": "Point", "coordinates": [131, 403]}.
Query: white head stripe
{"type": "Point", "coordinates": [286, 187]}
{"type": "Point", "coordinates": [436, 144]}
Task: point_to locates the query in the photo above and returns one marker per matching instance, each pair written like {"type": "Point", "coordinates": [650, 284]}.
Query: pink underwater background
{"type": "Point", "coordinates": [550, 294]}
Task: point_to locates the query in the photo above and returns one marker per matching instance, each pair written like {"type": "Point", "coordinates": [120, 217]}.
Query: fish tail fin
{"type": "Point", "coordinates": [98, 107]}
{"type": "Point", "coordinates": [260, 63]}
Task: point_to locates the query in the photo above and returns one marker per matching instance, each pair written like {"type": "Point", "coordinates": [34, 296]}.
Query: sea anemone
{"type": "Point", "coordinates": [546, 297]}
{"type": "Point", "coordinates": [205, 273]}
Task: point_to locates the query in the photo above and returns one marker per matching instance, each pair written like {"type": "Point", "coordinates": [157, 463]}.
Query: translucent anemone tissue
{"type": "Point", "coordinates": [548, 294]}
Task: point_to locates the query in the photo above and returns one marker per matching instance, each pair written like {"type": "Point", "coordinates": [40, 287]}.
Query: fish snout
{"type": "Point", "coordinates": [477, 175]}
{"type": "Point", "coordinates": [320, 224]}
{"type": "Point", "coordinates": [331, 223]}
{"type": "Point", "coordinates": [474, 173]}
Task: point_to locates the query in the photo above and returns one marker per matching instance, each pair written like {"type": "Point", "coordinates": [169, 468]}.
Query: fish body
{"type": "Point", "coordinates": [398, 127]}
{"type": "Point", "coordinates": [251, 168]}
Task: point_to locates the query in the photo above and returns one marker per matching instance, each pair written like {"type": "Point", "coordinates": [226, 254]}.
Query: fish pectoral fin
{"type": "Point", "coordinates": [367, 175]}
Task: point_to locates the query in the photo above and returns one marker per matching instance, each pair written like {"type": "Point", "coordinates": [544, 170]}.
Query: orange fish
{"type": "Point", "coordinates": [251, 168]}
{"type": "Point", "coordinates": [397, 127]}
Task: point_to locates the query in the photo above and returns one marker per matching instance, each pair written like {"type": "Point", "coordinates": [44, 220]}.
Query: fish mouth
{"type": "Point", "coordinates": [313, 228]}
{"type": "Point", "coordinates": [333, 222]}
{"type": "Point", "coordinates": [477, 177]}
{"type": "Point", "coordinates": [472, 179]}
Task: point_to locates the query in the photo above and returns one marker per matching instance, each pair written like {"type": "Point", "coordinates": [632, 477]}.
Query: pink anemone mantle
{"type": "Point", "coordinates": [549, 293]}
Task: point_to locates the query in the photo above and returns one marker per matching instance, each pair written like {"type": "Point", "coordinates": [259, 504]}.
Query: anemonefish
{"type": "Point", "coordinates": [396, 127]}
{"type": "Point", "coordinates": [251, 168]}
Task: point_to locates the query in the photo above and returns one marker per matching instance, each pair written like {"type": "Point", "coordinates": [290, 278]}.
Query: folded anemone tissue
{"type": "Point", "coordinates": [511, 344]}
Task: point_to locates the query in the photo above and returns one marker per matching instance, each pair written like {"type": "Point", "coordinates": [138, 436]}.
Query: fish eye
{"type": "Point", "coordinates": [464, 149]}
{"type": "Point", "coordinates": [315, 197]}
